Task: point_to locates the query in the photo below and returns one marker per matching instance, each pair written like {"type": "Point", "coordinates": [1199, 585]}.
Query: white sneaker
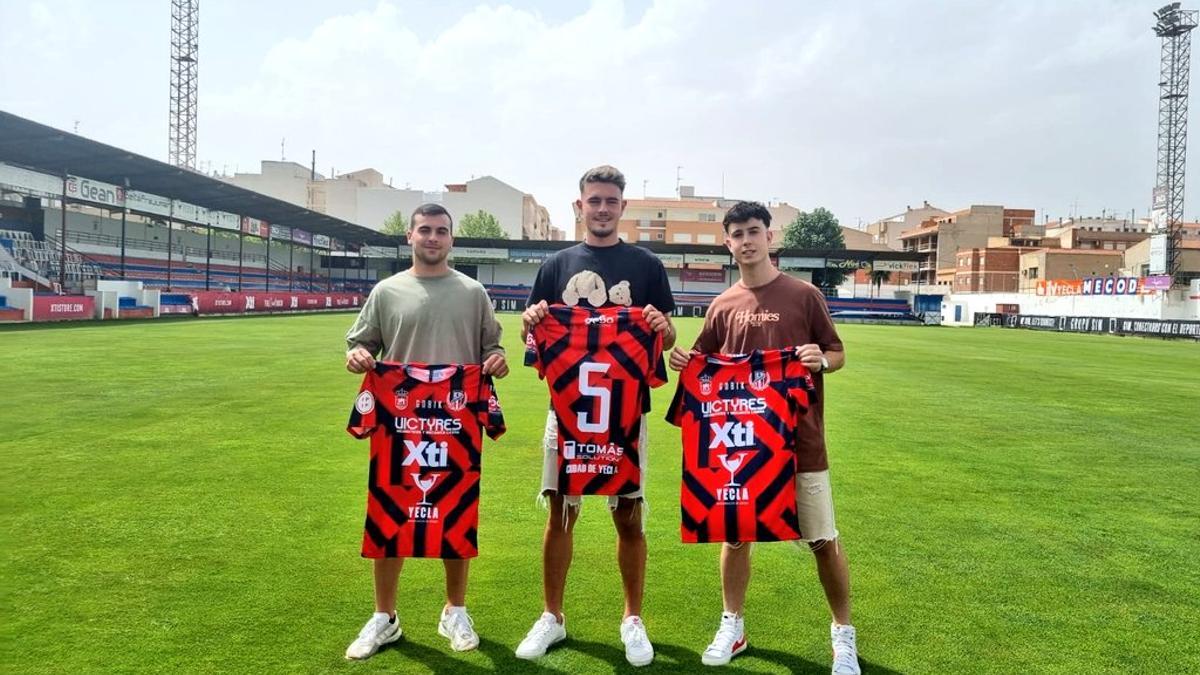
{"type": "Point", "coordinates": [728, 643]}
{"type": "Point", "coordinates": [638, 650]}
{"type": "Point", "coordinates": [845, 650]}
{"type": "Point", "coordinates": [546, 631]}
{"type": "Point", "coordinates": [379, 631]}
{"type": "Point", "coordinates": [457, 625]}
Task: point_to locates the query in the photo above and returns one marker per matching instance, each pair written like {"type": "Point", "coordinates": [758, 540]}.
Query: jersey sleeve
{"type": "Point", "coordinates": [491, 416]}
{"type": "Point", "coordinates": [658, 367]}
{"type": "Point", "coordinates": [533, 355]}
{"type": "Point", "coordinates": [802, 392]}
{"type": "Point", "coordinates": [362, 415]}
{"type": "Point", "coordinates": [675, 412]}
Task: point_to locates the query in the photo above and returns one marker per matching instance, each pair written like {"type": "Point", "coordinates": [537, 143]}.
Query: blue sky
{"type": "Point", "coordinates": [860, 107]}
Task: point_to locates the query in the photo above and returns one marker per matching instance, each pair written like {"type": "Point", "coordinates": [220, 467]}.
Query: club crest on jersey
{"type": "Point", "coordinates": [401, 399]}
{"type": "Point", "coordinates": [457, 400]}
{"type": "Point", "coordinates": [759, 380]}
{"type": "Point", "coordinates": [365, 403]}
{"type": "Point", "coordinates": [705, 384]}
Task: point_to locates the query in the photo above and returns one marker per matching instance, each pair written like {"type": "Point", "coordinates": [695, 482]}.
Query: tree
{"type": "Point", "coordinates": [396, 224]}
{"type": "Point", "coordinates": [878, 278]}
{"type": "Point", "coordinates": [817, 229]}
{"type": "Point", "coordinates": [480, 225]}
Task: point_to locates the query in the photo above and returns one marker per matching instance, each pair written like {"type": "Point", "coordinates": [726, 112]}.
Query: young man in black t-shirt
{"type": "Point", "coordinates": [601, 271]}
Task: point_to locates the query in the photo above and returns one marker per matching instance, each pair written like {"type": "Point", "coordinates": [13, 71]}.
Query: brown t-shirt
{"type": "Point", "coordinates": [787, 312]}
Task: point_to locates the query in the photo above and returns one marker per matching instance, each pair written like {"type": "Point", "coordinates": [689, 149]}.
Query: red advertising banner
{"type": "Point", "coordinates": [345, 300]}
{"type": "Point", "coordinates": [218, 302]}
{"type": "Point", "coordinates": [221, 302]}
{"type": "Point", "coordinates": [271, 302]}
{"type": "Point", "coordinates": [63, 307]}
{"type": "Point", "coordinates": [713, 276]}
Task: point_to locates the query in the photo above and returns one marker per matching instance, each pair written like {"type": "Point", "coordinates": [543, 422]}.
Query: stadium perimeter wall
{"type": "Point", "coordinates": [960, 309]}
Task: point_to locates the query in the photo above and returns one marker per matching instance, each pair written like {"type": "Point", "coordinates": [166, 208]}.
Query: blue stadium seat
{"type": "Point", "coordinates": [175, 299]}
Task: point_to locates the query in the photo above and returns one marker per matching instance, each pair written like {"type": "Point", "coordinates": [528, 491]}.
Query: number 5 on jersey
{"type": "Point", "coordinates": [593, 383]}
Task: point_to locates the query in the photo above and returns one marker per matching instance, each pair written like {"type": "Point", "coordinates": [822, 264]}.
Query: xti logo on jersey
{"type": "Point", "coordinates": [425, 424]}
{"type": "Point", "coordinates": [738, 416]}
{"type": "Point", "coordinates": [599, 365]}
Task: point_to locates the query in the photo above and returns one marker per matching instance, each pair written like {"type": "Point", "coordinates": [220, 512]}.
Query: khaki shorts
{"type": "Point", "coordinates": [550, 464]}
{"type": "Point", "coordinates": [814, 507]}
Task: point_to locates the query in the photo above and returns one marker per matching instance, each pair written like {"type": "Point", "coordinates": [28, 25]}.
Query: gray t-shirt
{"type": "Point", "coordinates": [446, 319]}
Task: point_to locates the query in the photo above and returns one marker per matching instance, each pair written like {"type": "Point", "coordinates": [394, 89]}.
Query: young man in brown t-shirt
{"type": "Point", "coordinates": [770, 310]}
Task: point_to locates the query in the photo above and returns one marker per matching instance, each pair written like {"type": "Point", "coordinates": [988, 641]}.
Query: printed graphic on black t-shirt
{"type": "Point", "coordinates": [603, 276]}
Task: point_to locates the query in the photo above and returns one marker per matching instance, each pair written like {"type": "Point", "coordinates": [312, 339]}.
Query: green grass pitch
{"type": "Point", "coordinates": [182, 496]}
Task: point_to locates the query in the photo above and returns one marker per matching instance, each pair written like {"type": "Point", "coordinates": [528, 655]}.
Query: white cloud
{"type": "Point", "coordinates": [861, 107]}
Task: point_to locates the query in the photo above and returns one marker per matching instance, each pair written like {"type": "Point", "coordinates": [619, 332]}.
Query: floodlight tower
{"type": "Point", "coordinates": [1174, 26]}
{"type": "Point", "coordinates": [185, 42]}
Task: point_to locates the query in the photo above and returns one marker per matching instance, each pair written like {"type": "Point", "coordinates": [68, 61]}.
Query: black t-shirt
{"type": "Point", "coordinates": [628, 275]}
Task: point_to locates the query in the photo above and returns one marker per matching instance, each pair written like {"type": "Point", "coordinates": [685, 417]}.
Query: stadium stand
{"type": "Point", "coordinates": [871, 310]}
{"type": "Point", "coordinates": [189, 275]}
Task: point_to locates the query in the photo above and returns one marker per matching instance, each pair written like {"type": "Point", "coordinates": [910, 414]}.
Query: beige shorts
{"type": "Point", "coordinates": [814, 507]}
{"type": "Point", "coordinates": [550, 464]}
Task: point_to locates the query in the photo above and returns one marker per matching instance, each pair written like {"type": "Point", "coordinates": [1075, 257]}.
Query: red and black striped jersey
{"type": "Point", "coordinates": [738, 416]}
{"type": "Point", "coordinates": [599, 365]}
{"type": "Point", "coordinates": [425, 423]}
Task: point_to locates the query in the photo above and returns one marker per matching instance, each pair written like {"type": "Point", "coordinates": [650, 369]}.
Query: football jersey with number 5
{"type": "Point", "coordinates": [599, 365]}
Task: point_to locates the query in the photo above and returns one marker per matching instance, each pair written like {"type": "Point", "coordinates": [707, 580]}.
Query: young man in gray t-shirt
{"type": "Point", "coordinates": [428, 313]}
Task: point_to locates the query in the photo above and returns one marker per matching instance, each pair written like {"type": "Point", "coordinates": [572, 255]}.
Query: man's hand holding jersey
{"type": "Point", "coordinates": [495, 365]}
{"type": "Point", "coordinates": [359, 360]}
{"type": "Point", "coordinates": [659, 323]}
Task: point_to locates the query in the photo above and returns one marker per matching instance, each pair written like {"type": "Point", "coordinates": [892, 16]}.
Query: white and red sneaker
{"type": "Point", "coordinates": [728, 643]}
